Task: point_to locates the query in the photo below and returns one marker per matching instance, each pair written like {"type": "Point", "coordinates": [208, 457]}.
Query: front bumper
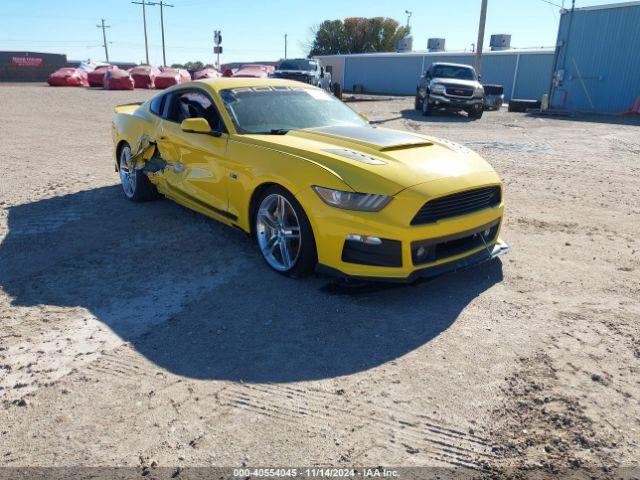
{"type": "Point", "coordinates": [454, 102]}
{"type": "Point", "coordinates": [499, 248]}
{"type": "Point", "coordinates": [396, 258]}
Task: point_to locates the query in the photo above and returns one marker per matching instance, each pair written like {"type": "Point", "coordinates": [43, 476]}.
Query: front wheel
{"type": "Point", "coordinates": [417, 103]}
{"type": "Point", "coordinates": [284, 233]}
{"type": "Point", "coordinates": [475, 113]}
{"type": "Point", "coordinates": [426, 107]}
{"type": "Point", "coordinates": [136, 186]}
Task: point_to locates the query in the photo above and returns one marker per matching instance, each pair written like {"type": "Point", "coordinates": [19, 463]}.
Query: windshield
{"type": "Point", "coordinates": [278, 109]}
{"type": "Point", "coordinates": [451, 71]}
{"type": "Point", "coordinates": [297, 65]}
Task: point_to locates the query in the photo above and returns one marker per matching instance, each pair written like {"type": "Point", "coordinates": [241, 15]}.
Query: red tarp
{"type": "Point", "coordinates": [256, 71]}
{"type": "Point", "coordinates": [68, 77]}
{"type": "Point", "coordinates": [172, 76]}
{"type": "Point", "coordinates": [96, 78]}
{"type": "Point", "coordinates": [144, 76]}
{"type": "Point", "coordinates": [118, 80]}
{"type": "Point", "coordinates": [206, 73]}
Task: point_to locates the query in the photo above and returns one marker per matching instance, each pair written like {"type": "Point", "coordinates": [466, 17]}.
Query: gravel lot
{"type": "Point", "coordinates": [144, 334]}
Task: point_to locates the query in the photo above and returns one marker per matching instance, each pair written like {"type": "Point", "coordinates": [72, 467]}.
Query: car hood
{"type": "Point", "coordinates": [376, 160]}
{"type": "Point", "coordinates": [455, 81]}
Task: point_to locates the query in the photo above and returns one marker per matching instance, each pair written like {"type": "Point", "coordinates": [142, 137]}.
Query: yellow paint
{"type": "Point", "coordinates": [223, 172]}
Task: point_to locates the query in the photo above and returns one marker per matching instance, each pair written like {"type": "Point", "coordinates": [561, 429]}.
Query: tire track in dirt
{"type": "Point", "coordinates": [417, 435]}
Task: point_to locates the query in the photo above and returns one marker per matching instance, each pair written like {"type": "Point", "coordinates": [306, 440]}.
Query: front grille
{"type": "Point", "coordinates": [459, 91]}
{"type": "Point", "coordinates": [432, 250]}
{"type": "Point", "coordinates": [460, 203]}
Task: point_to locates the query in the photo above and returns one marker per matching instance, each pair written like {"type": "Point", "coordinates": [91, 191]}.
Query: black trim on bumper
{"type": "Point", "coordinates": [387, 254]}
{"type": "Point", "coordinates": [500, 248]}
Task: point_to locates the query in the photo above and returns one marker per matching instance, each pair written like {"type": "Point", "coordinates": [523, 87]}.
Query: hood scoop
{"type": "Point", "coordinates": [381, 140]}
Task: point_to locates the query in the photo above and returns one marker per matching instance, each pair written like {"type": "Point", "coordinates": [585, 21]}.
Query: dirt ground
{"type": "Point", "coordinates": [145, 334]}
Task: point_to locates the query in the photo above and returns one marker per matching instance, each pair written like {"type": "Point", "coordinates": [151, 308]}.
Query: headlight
{"type": "Point", "coordinates": [479, 91]}
{"type": "Point", "coordinates": [437, 88]}
{"type": "Point", "coordinates": [367, 202]}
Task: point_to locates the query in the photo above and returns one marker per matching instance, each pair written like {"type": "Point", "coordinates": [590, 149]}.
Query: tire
{"type": "Point", "coordinates": [474, 113]}
{"type": "Point", "coordinates": [275, 233]}
{"type": "Point", "coordinates": [136, 186]}
{"type": "Point", "coordinates": [426, 107]}
{"type": "Point", "coordinates": [417, 103]}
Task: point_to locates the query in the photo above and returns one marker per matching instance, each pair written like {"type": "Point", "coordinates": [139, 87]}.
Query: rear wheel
{"type": "Point", "coordinates": [284, 233]}
{"type": "Point", "coordinates": [136, 186]}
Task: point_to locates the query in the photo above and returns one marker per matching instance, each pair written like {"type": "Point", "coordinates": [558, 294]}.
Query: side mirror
{"type": "Point", "coordinates": [479, 77]}
{"type": "Point", "coordinates": [198, 125]}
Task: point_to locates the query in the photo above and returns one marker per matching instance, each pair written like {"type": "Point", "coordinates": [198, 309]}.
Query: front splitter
{"type": "Point", "coordinates": [499, 248]}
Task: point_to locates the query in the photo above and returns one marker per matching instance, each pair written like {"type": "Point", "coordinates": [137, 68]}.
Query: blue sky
{"type": "Point", "coordinates": [254, 29]}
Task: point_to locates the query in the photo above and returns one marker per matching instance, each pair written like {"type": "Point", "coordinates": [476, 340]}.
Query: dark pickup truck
{"type": "Point", "coordinates": [450, 86]}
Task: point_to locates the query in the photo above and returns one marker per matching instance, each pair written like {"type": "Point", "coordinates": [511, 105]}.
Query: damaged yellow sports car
{"type": "Point", "coordinates": [318, 187]}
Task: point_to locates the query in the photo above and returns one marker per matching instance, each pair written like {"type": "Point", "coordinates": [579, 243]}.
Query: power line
{"type": "Point", "coordinates": [104, 38]}
{"type": "Point", "coordinates": [551, 3]}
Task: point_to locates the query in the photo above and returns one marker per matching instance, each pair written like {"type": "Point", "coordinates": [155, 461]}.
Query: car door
{"type": "Point", "coordinates": [195, 169]}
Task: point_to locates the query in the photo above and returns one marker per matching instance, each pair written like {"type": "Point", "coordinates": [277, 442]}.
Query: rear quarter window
{"type": "Point", "coordinates": [156, 105]}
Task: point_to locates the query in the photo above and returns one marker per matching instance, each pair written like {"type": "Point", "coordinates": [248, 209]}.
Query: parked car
{"type": "Point", "coordinates": [206, 73]}
{"type": "Point", "coordinates": [144, 76]}
{"type": "Point", "coordinates": [254, 71]}
{"type": "Point", "coordinates": [171, 76]}
{"type": "Point", "coordinates": [68, 77]}
{"type": "Point", "coordinates": [118, 80]}
{"type": "Point", "coordinates": [96, 77]}
{"type": "Point", "coordinates": [314, 183]}
{"type": "Point", "coordinates": [450, 86]}
{"type": "Point", "coordinates": [493, 97]}
{"type": "Point", "coordinates": [303, 70]}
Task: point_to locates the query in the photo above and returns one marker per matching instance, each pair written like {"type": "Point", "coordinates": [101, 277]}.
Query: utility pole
{"type": "Point", "coordinates": [285, 46]}
{"type": "Point", "coordinates": [483, 18]}
{"type": "Point", "coordinates": [144, 20]}
{"type": "Point", "coordinates": [162, 4]}
{"type": "Point", "coordinates": [104, 38]}
{"type": "Point", "coordinates": [408, 13]}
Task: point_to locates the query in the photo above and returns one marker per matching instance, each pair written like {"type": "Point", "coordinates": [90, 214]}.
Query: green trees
{"type": "Point", "coordinates": [357, 35]}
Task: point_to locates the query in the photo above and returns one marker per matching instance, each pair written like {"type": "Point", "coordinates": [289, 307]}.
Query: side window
{"type": "Point", "coordinates": [156, 105]}
{"type": "Point", "coordinates": [193, 104]}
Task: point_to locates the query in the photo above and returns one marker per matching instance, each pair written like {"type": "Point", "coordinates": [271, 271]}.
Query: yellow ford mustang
{"type": "Point", "coordinates": [318, 187]}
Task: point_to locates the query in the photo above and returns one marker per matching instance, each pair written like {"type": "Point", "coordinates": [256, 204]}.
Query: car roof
{"type": "Point", "coordinates": [223, 83]}
{"type": "Point", "coordinates": [447, 64]}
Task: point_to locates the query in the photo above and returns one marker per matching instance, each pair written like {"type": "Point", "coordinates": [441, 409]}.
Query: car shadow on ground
{"type": "Point", "coordinates": [195, 297]}
{"type": "Point", "coordinates": [435, 117]}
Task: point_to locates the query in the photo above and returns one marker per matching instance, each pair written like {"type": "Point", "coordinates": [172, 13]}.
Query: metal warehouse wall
{"type": "Point", "coordinates": [399, 73]}
{"type": "Point", "coordinates": [599, 53]}
{"type": "Point", "coordinates": [29, 66]}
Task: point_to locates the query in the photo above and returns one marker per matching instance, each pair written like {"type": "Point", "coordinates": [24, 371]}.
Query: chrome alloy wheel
{"type": "Point", "coordinates": [278, 232]}
{"type": "Point", "coordinates": [127, 173]}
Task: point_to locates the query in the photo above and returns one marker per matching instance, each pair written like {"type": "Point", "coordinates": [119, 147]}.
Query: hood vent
{"type": "Point", "coordinates": [343, 152]}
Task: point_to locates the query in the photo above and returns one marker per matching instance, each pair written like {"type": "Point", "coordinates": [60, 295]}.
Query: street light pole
{"type": "Point", "coordinates": [285, 46]}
